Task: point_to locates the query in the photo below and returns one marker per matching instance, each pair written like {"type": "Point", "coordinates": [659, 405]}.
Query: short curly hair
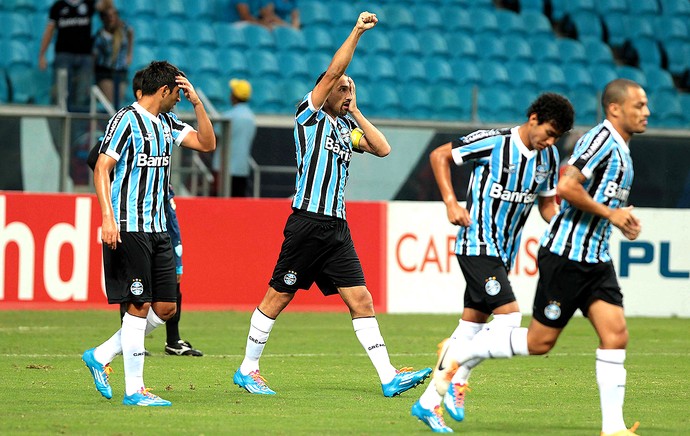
{"type": "Point", "coordinates": [553, 108]}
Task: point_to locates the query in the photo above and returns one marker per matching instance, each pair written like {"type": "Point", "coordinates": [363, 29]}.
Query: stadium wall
{"type": "Point", "coordinates": [50, 256]}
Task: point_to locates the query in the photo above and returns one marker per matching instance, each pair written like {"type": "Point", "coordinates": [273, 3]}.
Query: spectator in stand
{"type": "Point", "coordinates": [73, 46]}
{"type": "Point", "coordinates": [112, 48]}
{"type": "Point", "coordinates": [242, 132]}
{"type": "Point", "coordinates": [283, 13]}
{"type": "Point", "coordinates": [244, 12]}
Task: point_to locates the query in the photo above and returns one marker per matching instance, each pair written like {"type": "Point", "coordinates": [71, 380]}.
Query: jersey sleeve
{"type": "Point", "coordinates": [479, 149]}
{"type": "Point", "coordinates": [306, 113]}
{"type": "Point", "coordinates": [117, 134]}
{"type": "Point", "coordinates": [589, 155]}
{"type": "Point", "coordinates": [178, 128]}
{"type": "Point", "coordinates": [551, 182]}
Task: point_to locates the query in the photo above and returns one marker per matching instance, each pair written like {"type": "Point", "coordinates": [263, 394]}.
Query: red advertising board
{"type": "Point", "coordinates": [50, 252]}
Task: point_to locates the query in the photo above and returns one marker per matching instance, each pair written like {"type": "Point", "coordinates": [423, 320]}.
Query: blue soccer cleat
{"type": "Point", "coordinates": [99, 373]}
{"type": "Point", "coordinates": [253, 383]}
{"type": "Point", "coordinates": [144, 398]}
{"type": "Point", "coordinates": [432, 418]}
{"type": "Point", "coordinates": [404, 380]}
{"type": "Point", "coordinates": [454, 400]}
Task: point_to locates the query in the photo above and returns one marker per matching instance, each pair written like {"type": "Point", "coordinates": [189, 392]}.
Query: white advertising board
{"type": "Point", "coordinates": [423, 275]}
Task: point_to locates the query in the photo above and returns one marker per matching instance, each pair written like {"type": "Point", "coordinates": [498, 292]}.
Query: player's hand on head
{"type": "Point", "coordinates": [188, 89]}
{"type": "Point", "coordinates": [366, 20]}
{"type": "Point", "coordinates": [353, 100]}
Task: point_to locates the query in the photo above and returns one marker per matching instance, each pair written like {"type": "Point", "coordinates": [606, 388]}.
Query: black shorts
{"type": "Point", "coordinates": [141, 269]}
{"type": "Point", "coordinates": [488, 286]}
{"type": "Point", "coordinates": [566, 285]}
{"type": "Point", "coordinates": [316, 248]}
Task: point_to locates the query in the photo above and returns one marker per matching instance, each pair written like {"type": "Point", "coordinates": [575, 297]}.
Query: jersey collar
{"type": "Point", "coordinates": [515, 137]}
{"type": "Point", "coordinates": [617, 136]}
{"type": "Point", "coordinates": [137, 107]}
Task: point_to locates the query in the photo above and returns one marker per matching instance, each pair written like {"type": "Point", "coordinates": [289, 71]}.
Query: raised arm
{"type": "Point", "coordinates": [204, 138]}
{"type": "Point", "coordinates": [373, 141]}
{"type": "Point", "coordinates": [342, 59]}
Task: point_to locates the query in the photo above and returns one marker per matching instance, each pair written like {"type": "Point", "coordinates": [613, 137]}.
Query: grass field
{"type": "Point", "coordinates": [325, 382]}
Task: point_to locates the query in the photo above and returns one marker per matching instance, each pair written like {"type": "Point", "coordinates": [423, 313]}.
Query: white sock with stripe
{"type": "Point", "coordinates": [133, 329]}
{"type": "Point", "coordinates": [259, 329]}
{"type": "Point", "coordinates": [369, 335]}
{"type": "Point", "coordinates": [611, 376]}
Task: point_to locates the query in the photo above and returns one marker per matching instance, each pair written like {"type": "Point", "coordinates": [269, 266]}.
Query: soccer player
{"type": "Point", "coordinates": [137, 253]}
{"type": "Point", "coordinates": [513, 169]}
{"type": "Point", "coordinates": [575, 268]}
{"type": "Point", "coordinates": [318, 246]}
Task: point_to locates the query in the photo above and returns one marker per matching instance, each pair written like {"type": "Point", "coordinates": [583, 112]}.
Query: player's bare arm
{"type": "Point", "coordinates": [570, 189]}
{"type": "Point", "coordinates": [203, 139]}
{"type": "Point", "coordinates": [373, 141]}
{"type": "Point", "coordinates": [548, 207]}
{"type": "Point", "coordinates": [342, 59]}
{"type": "Point", "coordinates": [110, 235]}
{"type": "Point", "coordinates": [441, 159]}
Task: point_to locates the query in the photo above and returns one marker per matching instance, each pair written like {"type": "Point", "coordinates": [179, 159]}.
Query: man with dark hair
{"type": "Point", "coordinates": [513, 169]}
{"type": "Point", "coordinates": [318, 246]}
{"type": "Point", "coordinates": [575, 268]}
{"type": "Point", "coordinates": [137, 253]}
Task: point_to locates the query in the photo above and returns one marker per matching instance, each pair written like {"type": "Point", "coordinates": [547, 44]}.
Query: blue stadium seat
{"type": "Point", "coordinates": [671, 29]}
{"type": "Point", "coordinates": [632, 73]}
{"type": "Point", "coordinates": [551, 77]}
{"type": "Point", "coordinates": [22, 6]}
{"type": "Point", "coordinates": [376, 43]}
{"type": "Point", "coordinates": [228, 36]}
{"type": "Point", "coordinates": [457, 19]}
{"type": "Point", "coordinates": [289, 39]}
{"type": "Point", "coordinates": [175, 56]}
{"type": "Point", "coordinates": [318, 62]}
{"type": "Point", "coordinates": [597, 52]}
{"type": "Point", "coordinates": [358, 70]}
{"type": "Point", "coordinates": [531, 5]}
{"type": "Point", "coordinates": [463, 46]}
{"type": "Point", "coordinates": [263, 64]}
{"type": "Point", "coordinates": [604, 7]}
{"type": "Point", "coordinates": [293, 66]}
{"type": "Point", "coordinates": [676, 8]}
{"type": "Point", "coordinates": [647, 51]}
{"type": "Point", "coordinates": [585, 104]}
{"type": "Point", "coordinates": [200, 35]}
{"type": "Point", "coordinates": [383, 101]}
{"type": "Point", "coordinates": [491, 47]}
{"type": "Point", "coordinates": [416, 103]}
{"type": "Point", "coordinates": [295, 90]}
{"type": "Point", "coordinates": [15, 53]}
{"type": "Point", "coordinates": [405, 42]}
{"type": "Point", "coordinates": [201, 11]}
{"type": "Point", "coordinates": [616, 28]}
{"type": "Point", "coordinates": [544, 49]}
{"type": "Point", "coordinates": [602, 74]}
{"type": "Point", "coordinates": [658, 79]}
{"type": "Point", "coordinates": [510, 23]}
{"type": "Point", "coordinates": [522, 99]}
{"type": "Point", "coordinates": [465, 71]}
{"type": "Point", "coordinates": [142, 55]}
{"type": "Point", "coordinates": [171, 33]}
{"type": "Point", "coordinates": [215, 88]}
{"type": "Point", "coordinates": [578, 77]}
{"type": "Point", "coordinates": [316, 12]}
{"type": "Point", "coordinates": [434, 44]}
{"type": "Point", "coordinates": [572, 51]}
{"type": "Point", "coordinates": [233, 63]}
{"type": "Point", "coordinates": [451, 103]}
{"type": "Point", "coordinates": [639, 26]}
{"type": "Point", "coordinates": [678, 53]}
{"type": "Point", "coordinates": [343, 13]}
{"type": "Point", "coordinates": [409, 69]}
{"type": "Point", "coordinates": [142, 9]}
{"type": "Point", "coordinates": [29, 85]}
{"type": "Point", "coordinates": [258, 36]}
{"type": "Point", "coordinates": [517, 48]}
{"type": "Point", "coordinates": [4, 87]}
{"type": "Point", "coordinates": [267, 97]}
{"type": "Point", "coordinates": [145, 33]}
{"type": "Point", "coordinates": [427, 17]}
{"type": "Point", "coordinates": [666, 110]}
{"type": "Point", "coordinates": [644, 7]}
{"type": "Point", "coordinates": [522, 75]}
{"type": "Point", "coordinates": [319, 39]}
{"type": "Point", "coordinates": [585, 23]}
{"type": "Point", "coordinates": [205, 61]}
{"type": "Point", "coordinates": [494, 105]}
{"type": "Point", "coordinates": [684, 99]}
{"type": "Point", "coordinates": [396, 17]}
{"type": "Point", "coordinates": [173, 10]}
{"type": "Point", "coordinates": [493, 75]}
{"type": "Point", "coordinates": [537, 23]}
{"type": "Point", "coordinates": [485, 22]}
{"type": "Point", "coordinates": [17, 27]}
{"type": "Point", "coordinates": [439, 72]}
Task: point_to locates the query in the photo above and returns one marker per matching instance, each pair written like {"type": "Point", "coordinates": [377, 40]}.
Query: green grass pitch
{"type": "Point", "coordinates": [325, 383]}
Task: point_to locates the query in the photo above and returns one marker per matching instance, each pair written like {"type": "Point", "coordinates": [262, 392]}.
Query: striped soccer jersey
{"type": "Point", "coordinates": [323, 157]}
{"type": "Point", "coordinates": [604, 159]}
{"type": "Point", "coordinates": [142, 145]}
{"type": "Point", "coordinates": [506, 180]}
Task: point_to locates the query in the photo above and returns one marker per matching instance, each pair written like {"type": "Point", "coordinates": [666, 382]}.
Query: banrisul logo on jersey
{"type": "Point", "coordinates": [334, 146]}
{"type": "Point", "coordinates": [498, 192]}
{"type": "Point", "coordinates": [144, 160]}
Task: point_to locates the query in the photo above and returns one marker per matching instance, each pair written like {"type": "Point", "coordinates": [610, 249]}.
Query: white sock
{"type": "Point", "coordinates": [464, 333]}
{"type": "Point", "coordinates": [430, 398]}
{"type": "Point", "coordinates": [152, 321]}
{"type": "Point", "coordinates": [106, 352]}
{"type": "Point", "coordinates": [259, 328]}
{"type": "Point", "coordinates": [611, 376]}
{"type": "Point", "coordinates": [367, 331]}
{"type": "Point", "coordinates": [133, 329]}
{"type": "Point", "coordinates": [495, 342]}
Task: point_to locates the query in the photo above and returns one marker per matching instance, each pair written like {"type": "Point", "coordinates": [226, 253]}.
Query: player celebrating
{"type": "Point", "coordinates": [575, 269]}
{"type": "Point", "coordinates": [318, 246]}
{"type": "Point", "coordinates": [512, 169]}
